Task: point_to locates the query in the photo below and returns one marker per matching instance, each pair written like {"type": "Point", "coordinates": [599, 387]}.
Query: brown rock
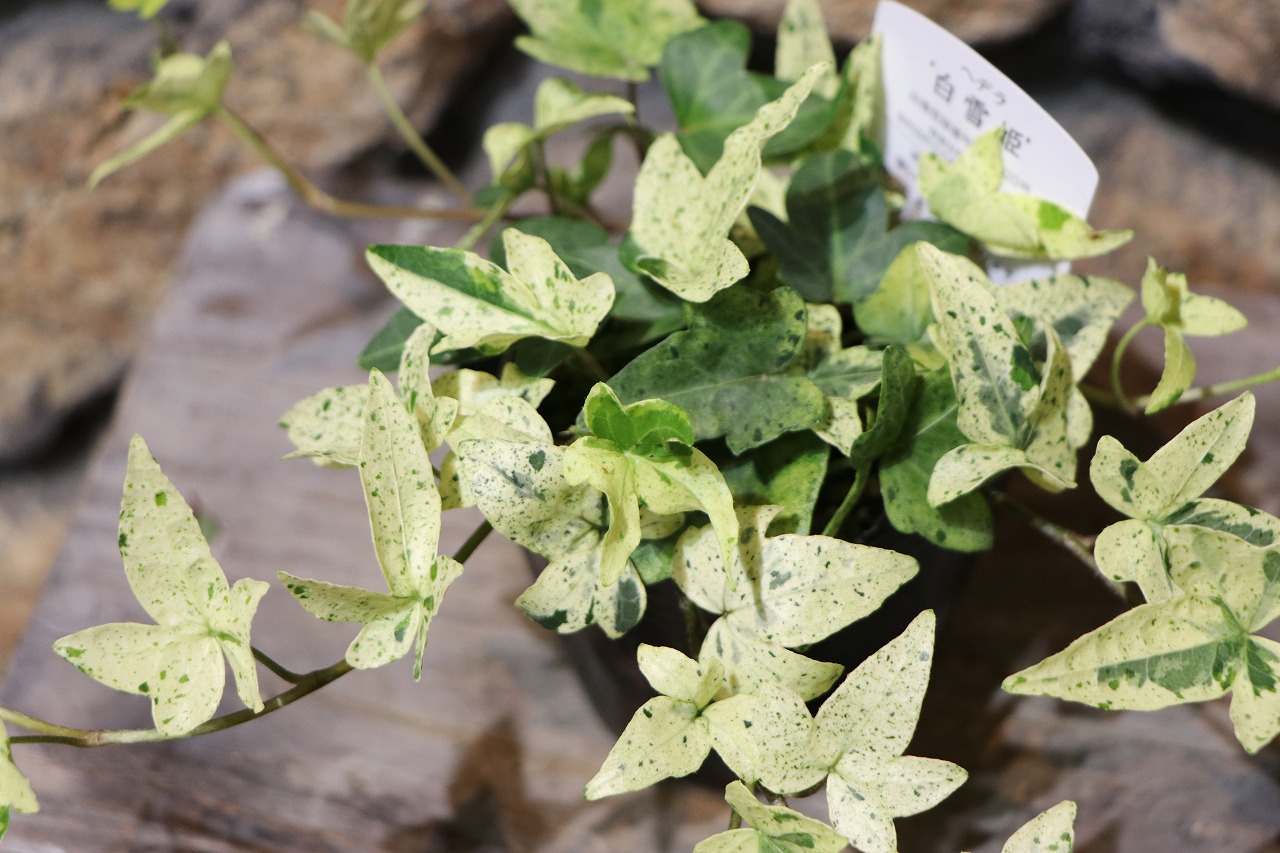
{"type": "Point", "coordinates": [84, 271]}
{"type": "Point", "coordinates": [850, 20]}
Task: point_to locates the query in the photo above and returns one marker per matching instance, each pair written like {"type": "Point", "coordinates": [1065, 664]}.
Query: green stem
{"type": "Point", "coordinates": [850, 500]}
{"type": "Point", "coordinates": [321, 200]}
{"type": "Point", "coordinates": [286, 674]}
{"type": "Point", "coordinates": [491, 216]}
{"type": "Point", "coordinates": [86, 739]}
{"type": "Point", "coordinates": [1116, 388]}
{"type": "Point", "coordinates": [412, 138]}
{"type": "Point", "coordinates": [1076, 544]}
{"type": "Point", "coordinates": [1192, 395]}
{"type": "Point", "coordinates": [473, 542]}
{"type": "Point", "coordinates": [735, 819]}
{"type": "Point", "coordinates": [539, 154]}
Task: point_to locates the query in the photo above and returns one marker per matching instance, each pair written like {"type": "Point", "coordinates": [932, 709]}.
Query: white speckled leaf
{"type": "Point", "coordinates": [795, 754]}
{"type": "Point", "coordinates": [1255, 703]}
{"type": "Point", "coordinates": [1047, 434]}
{"type": "Point", "coordinates": [665, 739]}
{"type": "Point", "coordinates": [1178, 472]}
{"type": "Point", "coordinates": [1218, 565]}
{"type": "Point", "coordinates": [752, 663]}
{"type": "Point", "coordinates": [559, 103]}
{"type": "Point", "coordinates": [435, 416]}
{"type": "Point", "coordinates": [842, 425]}
{"type": "Point", "coordinates": [569, 596]}
{"type": "Point", "coordinates": [997, 383]}
{"type": "Point", "coordinates": [476, 303]}
{"type": "Point", "coordinates": [863, 71]}
{"type": "Point", "coordinates": [774, 829]}
{"type": "Point", "coordinates": [965, 468]}
{"type": "Point", "coordinates": [865, 795]}
{"type": "Point", "coordinates": [729, 723]}
{"type": "Point", "coordinates": [621, 39]}
{"type": "Point", "coordinates": [1178, 373]}
{"type": "Point", "coordinates": [1130, 551]}
{"type": "Point", "coordinates": [681, 220]}
{"type": "Point", "coordinates": [473, 388]}
{"type": "Point", "coordinates": [803, 42]}
{"type": "Point", "coordinates": [966, 194]}
{"type": "Point", "coordinates": [1170, 303]}
{"type": "Point", "coordinates": [501, 418]}
{"type": "Point", "coordinates": [1051, 831]}
{"type": "Point", "coordinates": [180, 585]}
{"type": "Point", "coordinates": [15, 790]}
{"type": "Point", "coordinates": [692, 484]}
{"type": "Point", "coordinates": [386, 636]}
{"type": "Point", "coordinates": [672, 674]}
{"type": "Point", "coordinates": [600, 465]}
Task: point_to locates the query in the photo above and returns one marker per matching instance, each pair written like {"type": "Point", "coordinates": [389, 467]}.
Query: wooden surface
{"type": "Point", "coordinates": [491, 750]}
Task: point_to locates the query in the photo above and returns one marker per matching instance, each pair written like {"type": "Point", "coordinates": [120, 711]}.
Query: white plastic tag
{"type": "Point", "coordinates": [940, 94]}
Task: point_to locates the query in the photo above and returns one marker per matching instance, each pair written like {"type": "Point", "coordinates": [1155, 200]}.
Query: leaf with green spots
{"type": "Point", "coordinates": [620, 39]}
{"type": "Point", "coordinates": [186, 87]}
{"type": "Point", "coordinates": [770, 829]}
{"type": "Point", "coordinates": [863, 74]}
{"type": "Point", "coordinates": [730, 369]}
{"type": "Point", "coordinates": [1244, 522]}
{"type": "Point", "coordinates": [899, 309]}
{"type": "Point", "coordinates": [368, 25]}
{"type": "Point", "coordinates": [963, 524]}
{"type": "Point", "coordinates": [836, 243]}
{"type": "Point", "coordinates": [15, 790]}
{"type": "Point", "coordinates": [803, 42]}
{"type": "Point", "coordinates": [558, 105]}
{"type": "Point", "coordinates": [787, 472]}
{"type": "Point", "coordinates": [1051, 831]}
{"type": "Point", "coordinates": [476, 303]}
{"type": "Point", "coordinates": [1134, 551]}
{"type": "Point", "coordinates": [1192, 647]}
{"type": "Point", "coordinates": [681, 220]}
{"type": "Point", "coordinates": [1180, 313]}
{"type": "Point", "coordinates": [178, 662]}
{"type": "Point", "coordinates": [856, 743]}
{"type": "Point", "coordinates": [966, 194]}
{"type": "Point", "coordinates": [404, 514]}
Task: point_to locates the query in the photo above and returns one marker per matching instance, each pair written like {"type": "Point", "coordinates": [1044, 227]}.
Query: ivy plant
{"type": "Point", "coordinates": [725, 399]}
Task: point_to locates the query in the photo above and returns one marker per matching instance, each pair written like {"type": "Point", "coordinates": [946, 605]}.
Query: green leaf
{"type": "Point", "coordinates": [666, 738]}
{"type": "Point", "coordinates": [836, 243]}
{"type": "Point", "coordinates": [15, 790]}
{"type": "Point", "coordinates": [729, 369]}
{"type": "Point", "coordinates": [184, 86]}
{"type": "Point", "coordinates": [963, 524]}
{"type": "Point", "coordinates": [620, 39]}
{"type": "Point", "coordinates": [178, 662]}
{"type": "Point", "coordinates": [1178, 472]}
{"type": "Point", "coordinates": [644, 426]}
{"type": "Point", "coordinates": [383, 350]}
{"type": "Point", "coordinates": [897, 388]}
{"type": "Point", "coordinates": [774, 829]}
{"type": "Point", "coordinates": [681, 220]}
{"type": "Point", "coordinates": [368, 26]}
{"type": "Point", "coordinates": [404, 514]}
{"type": "Point", "coordinates": [856, 742]}
{"type": "Point", "coordinates": [476, 303]}
{"type": "Point", "coordinates": [966, 194]}
{"type": "Point", "coordinates": [1051, 831]}
{"type": "Point", "coordinates": [144, 8]}
{"type": "Point", "coordinates": [788, 472]}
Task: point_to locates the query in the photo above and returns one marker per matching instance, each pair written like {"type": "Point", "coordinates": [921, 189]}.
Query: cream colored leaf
{"type": "Point", "coordinates": [665, 739]}
{"type": "Point", "coordinates": [1051, 831]}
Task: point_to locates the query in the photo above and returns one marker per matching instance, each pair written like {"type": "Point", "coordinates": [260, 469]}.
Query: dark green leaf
{"type": "Point", "coordinates": [728, 369]}
{"type": "Point", "coordinates": [965, 523]}
{"type": "Point", "coordinates": [566, 236]}
{"type": "Point", "coordinates": [383, 351]}
{"type": "Point", "coordinates": [897, 388]}
{"type": "Point", "coordinates": [786, 472]}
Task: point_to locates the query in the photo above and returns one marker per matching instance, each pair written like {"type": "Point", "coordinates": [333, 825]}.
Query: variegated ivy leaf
{"type": "Point", "coordinates": [144, 8]}
{"type": "Point", "coordinates": [15, 790]}
{"type": "Point", "coordinates": [507, 418]}
{"type": "Point", "coordinates": [966, 194]}
{"type": "Point", "coordinates": [178, 662]}
{"type": "Point", "coordinates": [1166, 489]}
{"type": "Point", "coordinates": [368, 26]}
{"type": "Point", "coordinates": [621, 39]}
{"type": "Point", "coordinates": [1051, 831]}
{"type": "Point", "coordinates": [671, 734]}
{"type": "Point", "coordinates": [770, 829]}
{"type": "Point", "coordinates": [856, 743]}
{"type": "Point", "coordinates": [644, 455]}
{"type": "Point", "coordinates": [1014, 415]}
{"type": "Point", "coordinates": [404, 514]}
{"type": "Point", "coordinates": [681, 220]}
{"type": "Point", "coordinates": [186, 87]}
{"type": "Point", "coordinates": [1189, 648]}
{"type": "Point", "coordinates": [476, 303]}
{"type": "Point", "coordinates": [1179, 312]}
{"type": "Point", "coordinates": [866, 111]}
{"type": "Point", "coordinates": [782, 592]}
{"type": "Point", "coordinates": [803, 42]}
{"type": "Point", "coordinates": [521, 489]}
{"type": "Point", "coordinates": [557, 105]}
{"type": "Point", "coordinates": [328, 426]}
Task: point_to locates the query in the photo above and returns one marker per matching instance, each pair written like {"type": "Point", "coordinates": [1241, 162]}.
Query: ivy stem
{"type": "Point", "coordinates": [850, 500]}
{"type": "Point", "coordinates": [1116, 387]}
{"type": "Point", "coordinates": [473, 542]}
{"type": "Point", "coordinates": [1077, 544]}
{"type": "Point", "coordinates": [735, 819]}
{"type": "Point", "coordinates": [87, 739]}
{"type": "Point", "coordinates": [286, 674]}
{"type": "Point", "coordinates": [1193, 395]}
{"type": "Point", "coordinates": [495, 212]}
{"type": "Point", "coordinates": [323, 201]}
{"type": "Point", "coordinates": [412, 138]}
{"type": "Point", "coordinates": [539, 152]}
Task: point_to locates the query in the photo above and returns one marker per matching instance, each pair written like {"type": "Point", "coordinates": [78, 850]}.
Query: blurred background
{"type": "Point", "coordinates": [1176, 101]}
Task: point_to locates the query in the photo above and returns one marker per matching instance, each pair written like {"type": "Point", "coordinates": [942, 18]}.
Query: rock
{"type": "Point", "coordinates": [1198, 206]}
{"type": "Point", "coordinates": [1233, 43]}
{"type": "Point", "coordinates": [850, 20]}
{"type": "Point", "coordinates": [84, 271]}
